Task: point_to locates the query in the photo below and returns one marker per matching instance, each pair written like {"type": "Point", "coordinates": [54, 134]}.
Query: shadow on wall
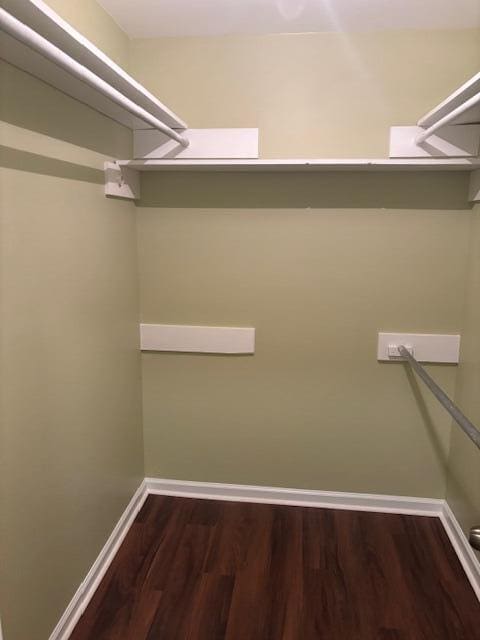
{"type": "Point", "coordinates": [32, 105]}
{"type": "Point", "coordinates": [435, 441]}
{"type": "Point", "coordinates": [290, 190]}
{"type": "Point", "coordinates": [35, 163]}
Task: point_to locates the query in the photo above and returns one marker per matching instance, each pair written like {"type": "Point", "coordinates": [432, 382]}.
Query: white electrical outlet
{"type": "Point", "coordinates": [393, 351]}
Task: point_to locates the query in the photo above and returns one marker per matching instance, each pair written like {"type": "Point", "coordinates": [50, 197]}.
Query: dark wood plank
{"type": "Point", "coordinates": [211, 570]}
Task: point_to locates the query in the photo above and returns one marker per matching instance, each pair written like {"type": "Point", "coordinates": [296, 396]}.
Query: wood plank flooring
{"type": "Point", "coordinates": [210, 570]}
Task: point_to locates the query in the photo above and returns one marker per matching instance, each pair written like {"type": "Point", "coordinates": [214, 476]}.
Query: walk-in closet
{"type": "Point", "coordinates": [240, 320]}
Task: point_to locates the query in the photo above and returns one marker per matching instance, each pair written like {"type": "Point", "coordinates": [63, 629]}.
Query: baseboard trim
{"type": "Point", "coordinates": [267, 495]}
{"type": "Point", "coordinates": [464, 551]}
{"type": "Point", "coordinates": [295, 497]}
{"type": "Point", "coordinates": [88, 587]}
{"type": "Point", "coordinates": [331, 500]}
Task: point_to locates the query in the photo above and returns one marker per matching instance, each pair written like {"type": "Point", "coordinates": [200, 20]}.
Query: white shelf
{"type": "Point", "coordinates": [457, 98]}
{"type": "Point", "coordinates": [39, 17]}
{"type": "Point", "coordinates": [122, 177]}
{"type": "Point", "coordinates": [418, 164]}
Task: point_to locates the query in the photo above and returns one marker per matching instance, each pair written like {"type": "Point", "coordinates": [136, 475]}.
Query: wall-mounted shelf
{"type": "Point", "coordinates": [450, 164]}
{"type": "Point", "coordinates": [122, 178]}
{"type": "Point", "coordinates": [39, 17]}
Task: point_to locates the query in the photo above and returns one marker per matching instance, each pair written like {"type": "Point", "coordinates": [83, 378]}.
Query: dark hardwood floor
{"type": "Point", "coordinates": [209, 570]}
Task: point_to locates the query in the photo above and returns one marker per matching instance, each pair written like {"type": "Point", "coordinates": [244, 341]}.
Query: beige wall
{"type": "Point", "coordinates": [464, 469]}
{"type": "Point", "coordinates": [318, 263]}
{"type": "Point", "coordinates": [312, 408]}
{"type": "Point", "coordinates": [71, 440]}
{"type": "Point", "coordinates": [94, 23]}
{"type": "Point", "coordinates": [311, 95]}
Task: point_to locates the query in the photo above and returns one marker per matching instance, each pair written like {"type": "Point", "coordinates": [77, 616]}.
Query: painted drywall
{"type": "Point", "coordinates": [93, 22]}
{"type": "Point", "coordinates": [312, 408]}
{"type": "Point", "coordinates": [464, 469]}
{"type": "Point", "coordinates": [311, 95]}
{"type": "Point", "coordinates": [318, 263]}
{"type": "Point", "coordinates": [71, 439]}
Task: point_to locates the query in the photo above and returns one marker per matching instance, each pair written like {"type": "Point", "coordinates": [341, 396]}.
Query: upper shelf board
{"type": "Point", "coordinates": [39, 17]}
{"type": "Point", "coordinates": [417, 164]}
{"type": "Point", "coordinates": [457, 98]}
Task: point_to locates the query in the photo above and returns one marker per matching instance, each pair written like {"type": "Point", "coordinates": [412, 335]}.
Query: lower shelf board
{"type": "Point", "coordinates": [302, 164]}
{"type": "Point", "coordinates": [208, 569]}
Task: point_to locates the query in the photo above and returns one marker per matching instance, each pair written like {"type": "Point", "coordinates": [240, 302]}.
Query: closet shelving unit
{"type": "Point", "coordinates": [67, 58]}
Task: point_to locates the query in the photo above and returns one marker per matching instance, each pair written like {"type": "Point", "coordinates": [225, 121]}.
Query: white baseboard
{"type": "Point", "coordinates": [88, 587]}
{"type": "Point", "coordinates": [296, 497]}
{"type": "Point", "coordinates": [464, 551]}
{"type": "Point", "coordinates": [267, 495]}
{"type": "Point", "coordinates": [331, 500]}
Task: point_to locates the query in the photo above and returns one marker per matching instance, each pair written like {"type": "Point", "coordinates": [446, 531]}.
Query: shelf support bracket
{"type": "Point", "coordinates": [121, 182]}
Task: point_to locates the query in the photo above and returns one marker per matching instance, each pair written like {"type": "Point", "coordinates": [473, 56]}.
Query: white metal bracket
{"type": "Point", "coordinates": [454, 141]}
{"type": "Point", "coordinates": [121, 182]}
{"type": "Point", "coordinates": [474, 192]}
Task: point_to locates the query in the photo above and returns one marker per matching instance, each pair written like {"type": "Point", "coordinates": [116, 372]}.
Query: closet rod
{"type": "Point", "coordinates": [471, 102]}
{"type": "Point", "coordinates": [463, 422]}
{"type": "Point", "coordinates": [41, 45]}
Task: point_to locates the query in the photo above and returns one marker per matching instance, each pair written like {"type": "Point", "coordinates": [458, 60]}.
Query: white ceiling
{"type": "Point", "coordinates": [156, 18]}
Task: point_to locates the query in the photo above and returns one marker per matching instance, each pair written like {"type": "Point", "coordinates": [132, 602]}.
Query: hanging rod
{"type": "Point", "coordinates": [38, 43]}
{"type": "Point", "coordinates": [468, 427]}
{"type": "Point", "coordinates": [471, 102]}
